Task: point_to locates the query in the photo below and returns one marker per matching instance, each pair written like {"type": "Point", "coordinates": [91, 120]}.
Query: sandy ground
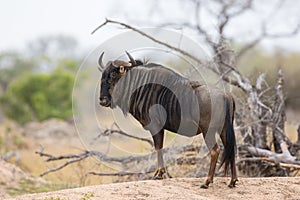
{"type": "Point", "coordinates": [183, 188]}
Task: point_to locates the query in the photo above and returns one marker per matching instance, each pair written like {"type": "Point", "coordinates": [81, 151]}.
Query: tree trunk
{"type": "Point", "coordinates": [259, 131]}
{"type": "Point", "coordinates": [239, 120]}
{"type": "Point", "coordinates": [279, 115]}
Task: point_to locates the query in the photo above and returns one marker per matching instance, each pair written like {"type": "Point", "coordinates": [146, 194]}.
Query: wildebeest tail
{"type": "Point", "coordinates": [230, 144]}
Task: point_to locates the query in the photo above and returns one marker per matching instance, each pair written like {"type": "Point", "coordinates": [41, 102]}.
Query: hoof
{"type": "Point", "coordinates": [232, 183]}
{"type": "Point", "coordinates": [204, 186]}
{"type": "Point", "coordinates": [157, 178]}
{"type": "Point", "coordinates": [161, 173]}
{"type": "Point", "coordinates": [168, 175]}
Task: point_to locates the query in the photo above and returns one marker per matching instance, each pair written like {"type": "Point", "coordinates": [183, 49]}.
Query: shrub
{"type": "Point", "coordinates": [39, 96]}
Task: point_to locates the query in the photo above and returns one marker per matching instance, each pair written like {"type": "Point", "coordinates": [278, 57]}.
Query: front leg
{"type": "Point", "coordinates": [161, 171]}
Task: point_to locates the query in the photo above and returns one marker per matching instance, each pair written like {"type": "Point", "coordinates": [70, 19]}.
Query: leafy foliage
{"type": "Point", "coordinates": [13, 65]}
{"type": "Point", "coordinates": [39, 96]}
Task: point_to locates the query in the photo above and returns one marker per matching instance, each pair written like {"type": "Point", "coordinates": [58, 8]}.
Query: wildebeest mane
{"type": "Point", "coordinates": [145, 74]}
{"type": "Point", "coordinates": [151, 84]}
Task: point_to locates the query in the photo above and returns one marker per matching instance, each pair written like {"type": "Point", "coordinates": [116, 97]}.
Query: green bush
{"type": "Point", "coordinates": [39, 96]}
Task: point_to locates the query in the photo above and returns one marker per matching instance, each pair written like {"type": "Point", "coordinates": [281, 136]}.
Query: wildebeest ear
{"type": "Point", "coordinates": [139, 62]}
{"type": "Point", "coordinates": [132, 61]}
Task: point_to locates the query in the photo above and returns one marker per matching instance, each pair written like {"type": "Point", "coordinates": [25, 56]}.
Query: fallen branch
{"type": "Point", "coordinates": [285, 165]}
{"type": "Point", "coordinates": [110, 131]}
{"type": "Point", "coordinates": [145, 171]}
{"type": "Point", "coordinates": [271, 156]}
{"type": "Point", "coordinates": [64, 165]}
{"type": "Point", "coordinates": [73, 158]}
{"type": "Point", "coordinates": [254, 159]}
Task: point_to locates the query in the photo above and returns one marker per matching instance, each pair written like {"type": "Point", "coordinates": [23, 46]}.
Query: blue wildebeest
{"type": "Point", "coordinates": [161, 99]}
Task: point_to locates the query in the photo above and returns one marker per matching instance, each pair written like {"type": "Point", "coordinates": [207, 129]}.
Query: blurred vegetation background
{"type": "Point", "coordinates": [37, 85]}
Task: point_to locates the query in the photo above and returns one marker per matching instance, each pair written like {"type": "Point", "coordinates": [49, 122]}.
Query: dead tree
{"type": "Point", "coordinates": [263, 110]}
{"type": "Point", "coordinates": [279, 115]}
{"type": "Point", "coordinates": [257, 109]}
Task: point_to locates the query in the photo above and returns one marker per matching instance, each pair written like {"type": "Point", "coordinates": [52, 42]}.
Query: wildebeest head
{"type": "Point", "coordinates": [111, 74]}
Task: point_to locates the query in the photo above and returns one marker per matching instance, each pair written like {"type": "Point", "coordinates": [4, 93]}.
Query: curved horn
{"type": "Point", "coordinates": [101, 66]}
{"type": "Point", "coordinates": [131, 59]}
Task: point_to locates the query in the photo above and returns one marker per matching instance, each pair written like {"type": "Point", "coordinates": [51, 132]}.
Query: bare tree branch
{"type": "Point", "coordinates": [110, 131]}
{"type": "Point", "coordinates": [124, 173]}
{"type": "Point", "coordinates": [208, 65]}
{"type": "Point", "coordinates": [64, 165]}
{"type": "Point", "coordinates": [198, 24]}
{"type": "Point", "coordinates": [265, 35]}
{"type": "Point", "coordinates": [274, 157]}
{"type": "Point", "coordinates": [73, 158]}
{"type": "Point", "coordinates": [247, 47]}
{"type": "Point", "coordinates": [148, 36]}
{"type": "Point", "coordinates": [280, 164]}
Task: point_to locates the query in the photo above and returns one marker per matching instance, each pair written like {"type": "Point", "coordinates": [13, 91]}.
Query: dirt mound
{"type": "Point", "coordinates": [9, 175]}
{"type": "Point", "coordinates": [183, 188]}
{"type": "Point", "coordinates": [12, 177]}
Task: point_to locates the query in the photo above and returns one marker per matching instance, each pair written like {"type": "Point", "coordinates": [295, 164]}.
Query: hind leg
{"type": "Point", "coordinates": [233, 176]}
{"type": "Point", "coordinates": [232, 167]}
{"type": "Point", "coordinates": [210, 141]}
{"type": "Point", "coordinates": [214, 154]}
